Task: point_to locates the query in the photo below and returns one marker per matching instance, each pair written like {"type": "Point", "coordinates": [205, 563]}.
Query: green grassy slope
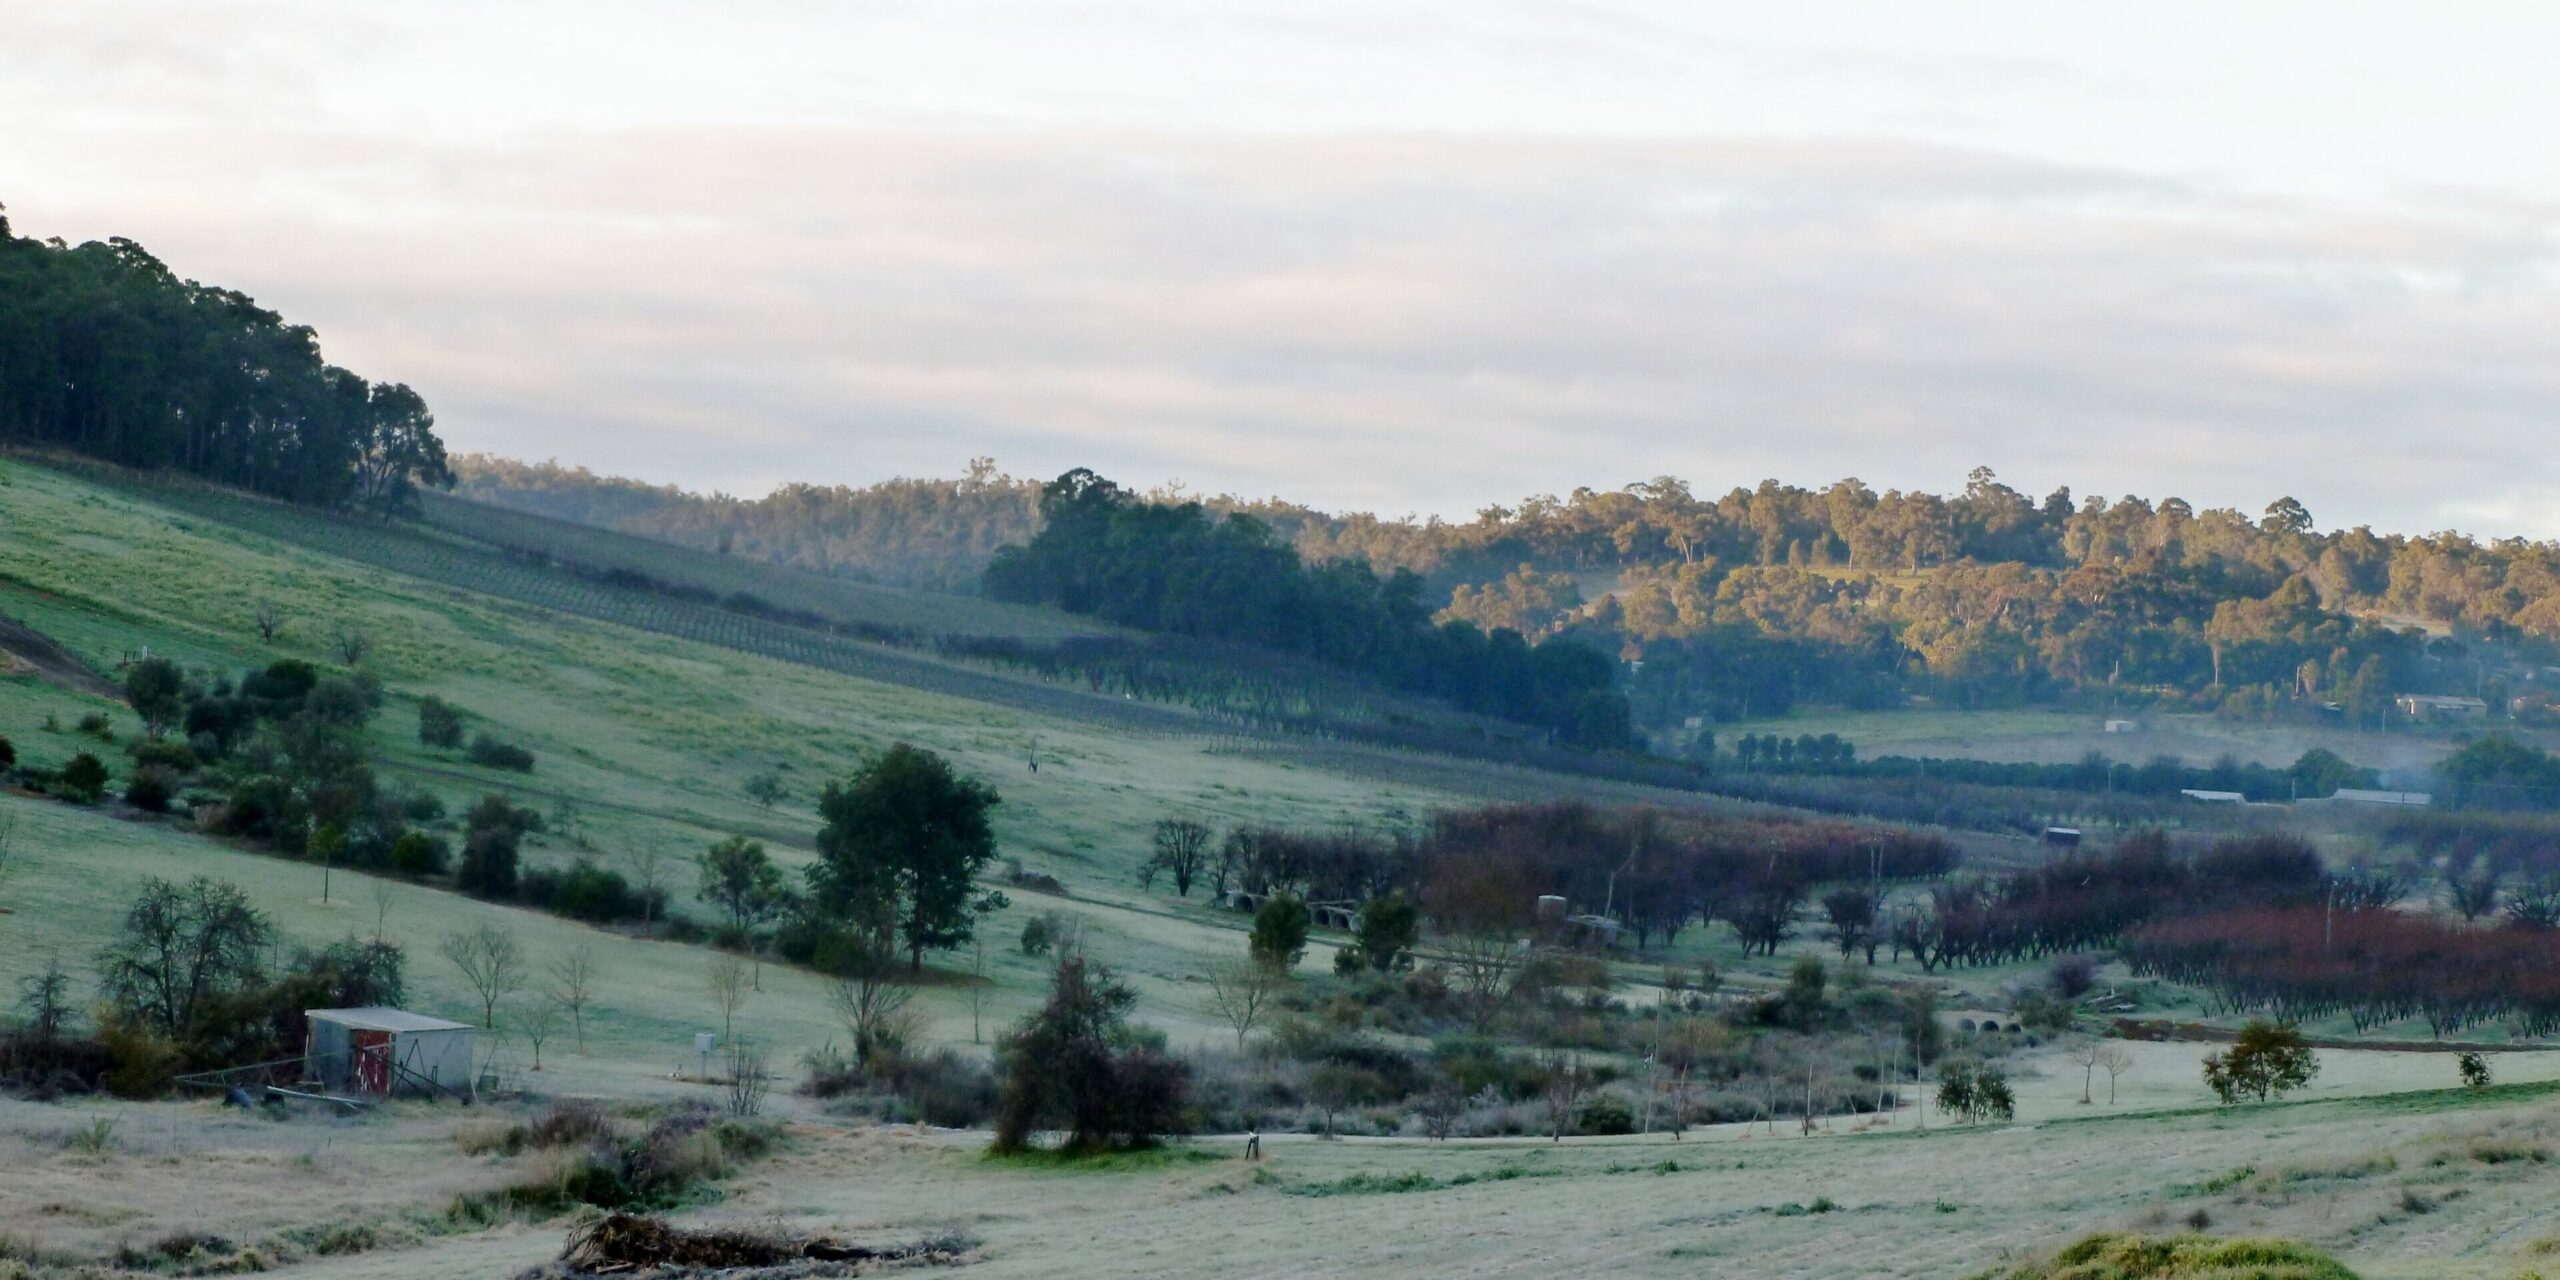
{"type": "Point", "coordinates": [838, 599]}
{"type": "Point", "coordinates": [647, 737]}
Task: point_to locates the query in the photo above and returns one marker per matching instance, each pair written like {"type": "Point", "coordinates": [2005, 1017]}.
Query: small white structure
{"type": "Point", "coordinates": [2120, 726]}
{"type": "Point", "coordinates": [2062, 837]}
{"type": "Point", "coordinates": [380, 1052]}
{"type": "Point", "coordinates": [2212, 797]}
{"type": "Point", "coordinates": [2436, 706]}
{"type": "Point", "coordinates": [2360, 795]}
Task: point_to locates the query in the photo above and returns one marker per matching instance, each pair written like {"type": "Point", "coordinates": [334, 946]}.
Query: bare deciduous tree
{"type": "Point", "coordinates": [1440, 1110]}
{"type": "Point", "coordinates": [269, 619]}
{"type": "Point", "coordinates": [731, 984]}
{"type": "Point", "coordinates": [384, 894]}
{"type": "Point", "coordinates": [1482, 967]}
{"type": "Point", "coordinates": [1564, 1080]}
{"type": "Point", "coordinates": [2115, 1060]}
{"type": "Point", "coordinates": [573, 978]}
{"type": "Point", "coordinates": [351, 644]}
{"type": "Point", "coordinates": [538, 1018]}
{"type": "Point", "coordinates": [873, 1005]}
{"type": "Point", "coordinates": [749, 1080]}
{"type": "Point", "coordinates": [1241, 991]}
{"type": "Point", "coordinates": [2088, 1056]}
{"type": "Point", "coordinates": [490, 961]}
{"type": "Point", "coordinates": [1181, 850]}
{"type": "Point", "coordinates": [649, 869]}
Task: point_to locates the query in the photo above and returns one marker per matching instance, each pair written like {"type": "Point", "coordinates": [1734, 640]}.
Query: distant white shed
{"type": "Point", "coordinates": [2212, 797]}
{"type": "Point", "coordinates": [380, 1052]}
{"type": "Point", "coordinates": [2361, 795]}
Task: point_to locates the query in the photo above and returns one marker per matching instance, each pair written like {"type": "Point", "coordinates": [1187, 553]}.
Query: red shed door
{"type": "Point", "coordinates": [372, 1062]}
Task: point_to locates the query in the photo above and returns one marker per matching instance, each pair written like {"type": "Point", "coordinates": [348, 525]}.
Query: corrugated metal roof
{"type": "Point", "coordinates": [377, 1018]}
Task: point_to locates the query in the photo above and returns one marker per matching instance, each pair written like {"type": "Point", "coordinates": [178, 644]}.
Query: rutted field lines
{"type": "Point", "coordinates": [457, 564]}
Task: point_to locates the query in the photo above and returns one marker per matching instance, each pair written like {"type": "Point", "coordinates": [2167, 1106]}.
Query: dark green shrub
{"type": "Point", "coordinates": [495, 812]}
{"type": "Point", "coordinates": [152, 787]}
{"type": "Point", "coordinates": [488, 868]}
{"type": "Point", "coordinates": [1042, 933]}
{"type": "Point", "coordinates": [422, 806]}
{"type": "Point", "coordinates": [169, 753]}
{"type": "Point", "coordinates": [491, 753]}
{"type": "Point", "coordinates": [581, 891]}
{"type": "Point", "coordinates": [8, 754]}
{"type": "Point", "coordinates": [278, 692]}
{"type": "Point", "coordinates": [1606, 1113]}
{"type": "Point", "coordinates": [97, 725]}
{"type": "Point", "coordinates": [83, 780]}
{"type": "Point", "coordinates": [1279, 935]}
{"type": "Point", "coordinates": [418, 855]}
{"type": "Point", "coordinates": [439, 723]}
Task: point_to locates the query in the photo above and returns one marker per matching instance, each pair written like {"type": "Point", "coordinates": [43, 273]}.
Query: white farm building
{"type": "Point", "coordinates": [379, 1052]}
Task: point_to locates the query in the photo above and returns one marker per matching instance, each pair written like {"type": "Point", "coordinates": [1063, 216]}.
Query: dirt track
{"type": "Point", "coordinates": [42, 657]}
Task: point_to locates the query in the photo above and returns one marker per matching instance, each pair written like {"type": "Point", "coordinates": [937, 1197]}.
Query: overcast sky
{"type": "Point", "coordinates": [1403, 257]}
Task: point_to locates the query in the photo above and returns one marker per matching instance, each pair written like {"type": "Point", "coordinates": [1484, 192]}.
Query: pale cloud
{"type": "Point", "coordinates": [815, 263]}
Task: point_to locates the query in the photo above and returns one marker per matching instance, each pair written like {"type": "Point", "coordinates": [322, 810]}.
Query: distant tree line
{"type": "Point", "coordinates": [1768, 597]}
{"type": "Point", "coordinates": [2371, 964]}
{"type": "Point", "coordinates": [935, 534]}
{"type": "Point", "coordinates": [1180, 568]}
{"type": "Point", "coordinates": [107, 353]}
{"type": "Point", "coordinates": [2316, 774]}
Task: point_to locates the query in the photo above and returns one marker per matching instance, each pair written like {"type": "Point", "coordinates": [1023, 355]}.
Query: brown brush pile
{"type": "Point", "coordinates": [622, 1244]}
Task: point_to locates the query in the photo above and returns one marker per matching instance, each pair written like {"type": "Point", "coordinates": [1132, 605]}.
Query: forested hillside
{"type": "Point", "coordinates": [1749, 604]}
{"type": "Point", "coordinates": [1178, 568]}
{"type": "Point", "coordinates": [936, 534]}
{"type": "Point", "coordinates": [105, 352]}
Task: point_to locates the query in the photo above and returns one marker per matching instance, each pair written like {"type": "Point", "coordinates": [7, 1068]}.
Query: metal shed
{"type": "Point", "coordinates": [381, 1052]}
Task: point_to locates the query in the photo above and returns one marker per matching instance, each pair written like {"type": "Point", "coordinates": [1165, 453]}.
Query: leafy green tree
{"type": "Point", "coordinates": [902, 844]}
{"type": "Point", "coordinates": [2267, 1060]}
{"type": "Point", "coordinates": [1279, 937]}
{"type": "Point", "coordinates": [111, 354]}
{"type": "Point", "coordinates": [740, 878]}
{"type": "Point", "coordinates": [488, 867]}
{"type": "Point", "coordinates": [157, 691]}
{"type": "Point", "coordinates": [1389, 926]}
{"type": "Point", "coordinates": [1076, 1065]}
{"type": "Point", "coordinates": [1975, 1092]}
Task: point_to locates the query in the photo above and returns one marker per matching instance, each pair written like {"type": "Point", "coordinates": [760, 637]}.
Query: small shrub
{"type": "Point", "coordinates": [96, 1138]}
{"type": "Point", "coordinates": [8, 754]}
{"type": "Point", "coordinates": [152, 787]}
{"type": "Point", "coordinates": [96, 725]}
{"type": "Point", "coordinates": [439, 723]}
{"type": "Point", "coordinates": [1606, 1114]}
{"type": "Point", "coordinates": [581, 891]}
{"type": "Point", "coordinates": [491, 753]}
{"type": "Point", "coordinates": [418, 855]}
{"type": "Point", "coordinates": [83, 780]}
{"type": "Point", "coordinates": [175, 755]}
{"type": "Point", "coordinates": [2074, 976]}
{"type": "Point", "coordinates": [2509, 1153]}
{"type": "Point", "coordinates": [1042, 933]}
{"type": "Point", "coordinates": [422, 806]}
{"type": "Point", "coordinates": [2474, 1069]}
{"type": "Point", "coordinates": [140, 1063]}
